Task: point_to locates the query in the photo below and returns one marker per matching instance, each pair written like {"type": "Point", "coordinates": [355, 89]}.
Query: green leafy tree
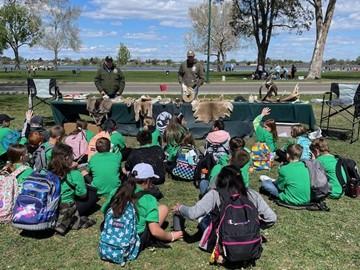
{"type": "Point", "coordinates": [123, 55]}
{"type": "Point", "coordinates": [259, 19]}
{"type": "Point", "coordinates": [18, 28]}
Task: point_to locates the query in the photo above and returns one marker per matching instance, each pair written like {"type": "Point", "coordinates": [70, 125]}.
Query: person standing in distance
{"type": "Point", "coordinates": [109, 80]}
{"type": "Point", "coordinates": [191, 77]}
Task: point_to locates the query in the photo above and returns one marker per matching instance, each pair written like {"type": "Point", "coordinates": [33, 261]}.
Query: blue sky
{"type": "Point", "coordinates": [156, 29]}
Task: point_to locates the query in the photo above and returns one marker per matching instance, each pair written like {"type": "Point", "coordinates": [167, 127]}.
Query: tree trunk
{"type": "Point", "coordinates": [218, 61]}
{"type": "Point", "coordinates": [322, 30]}
{"type": "Point", "coordinates": [261, 59]}
{"type": "Point", "coordinates": [17, 60]}
{"type": "Point", "coordinates": [56, 59]}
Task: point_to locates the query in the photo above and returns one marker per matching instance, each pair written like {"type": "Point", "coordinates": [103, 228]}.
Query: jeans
{"type": "Point", "coordinates": [270, 187]}
{"type": "Point", "coordinates": [203, 186]}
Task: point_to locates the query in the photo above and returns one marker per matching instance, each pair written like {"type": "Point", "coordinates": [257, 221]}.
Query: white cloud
{"type": "Point", "coordinates": [169, 12]}
{"type": "Point", "coordinates": [88, 33]}
{"type": "Point", "coordinates": [143, 36]}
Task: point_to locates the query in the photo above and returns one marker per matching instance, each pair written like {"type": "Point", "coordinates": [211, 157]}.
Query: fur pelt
{"type": "Point", "coordinates": [143, 107]}
{"type": "Point", "coordinates": [211, 110]}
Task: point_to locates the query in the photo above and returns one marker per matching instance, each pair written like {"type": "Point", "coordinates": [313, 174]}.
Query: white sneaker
{"type": "Point", "coordinates": [266, 178]}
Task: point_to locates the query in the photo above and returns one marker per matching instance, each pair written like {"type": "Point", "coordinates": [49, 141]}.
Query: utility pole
{"type": "Point", "coordinates": [208, 46]}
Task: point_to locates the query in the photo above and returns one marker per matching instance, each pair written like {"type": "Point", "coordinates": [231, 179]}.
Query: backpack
{"type": "Point", "coordinates": [39, 157]}
{"type": "Point", "coordinates": [186, 160]}
{"type": "Point", "coordinates": [9, 190]}
{"type": "Point", "coordinates": [119, 241]}
{"type": "Point", "coordinates": [36, 207]}
{"type": "Point", "coordinates": [78, 144]}
{"type": "Point", "coordinates": [11, 137]}
{"type": "Point", "coordinates": [205, 164]}
{"type": "Point", "coordinates": [350, 185]}
{"type": "Point", "coordinates": [217, 149]}
{"type": "Point", "coordinates": [92, 144]}
{"type": "Point", "coordinates": [238, 238]}
{"type": "Point", "coordinates": [320, 187]}
{"type": "Point", "coordinates": [261, 156]}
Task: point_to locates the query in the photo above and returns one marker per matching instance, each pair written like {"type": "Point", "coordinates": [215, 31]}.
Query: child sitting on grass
{"type": "Point", "coordinates": [151, 216]}
{"type": "Point", "coordinates": [267, 133]}
{"type": "Point", "coordinates": [149, 124]}
{"type": "Point", "coordinates": [81, 126]}
{"type": "Point", "coordinates": [217, 141]}
{"type": "Point", "coordinates": [293, 184]}
{"type": "Point", "coordinates": [321, 151]}
{"type": "Point", "coordinates": [105, 168]}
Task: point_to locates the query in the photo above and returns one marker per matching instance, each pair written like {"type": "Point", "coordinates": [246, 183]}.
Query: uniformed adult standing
{"type": "Point", "coordinates": [109, 80]}
{"type": "Point", "coordinates": [191, 77]}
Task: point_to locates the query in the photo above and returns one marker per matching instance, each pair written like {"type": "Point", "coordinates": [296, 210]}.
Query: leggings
{"type": "Point", "coordinates": [87, 205]}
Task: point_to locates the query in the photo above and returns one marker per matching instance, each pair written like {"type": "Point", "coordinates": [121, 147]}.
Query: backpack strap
{"type": "Point", "coordinates": [20, 170]}
{"type": "Point", "coordinates": [339, 175]}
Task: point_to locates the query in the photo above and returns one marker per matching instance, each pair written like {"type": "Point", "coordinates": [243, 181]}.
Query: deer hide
{"type": "Point", "coordinates": [206, 111]}
{"type": "Point", "coordinates": [142, 108]}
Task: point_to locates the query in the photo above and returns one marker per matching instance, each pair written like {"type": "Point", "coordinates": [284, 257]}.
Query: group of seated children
{"type": "Point", "coordinates": [129, 191]}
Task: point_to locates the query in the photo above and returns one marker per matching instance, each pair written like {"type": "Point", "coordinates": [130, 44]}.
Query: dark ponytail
{"type": "Point", "coordinates": [123, 195]}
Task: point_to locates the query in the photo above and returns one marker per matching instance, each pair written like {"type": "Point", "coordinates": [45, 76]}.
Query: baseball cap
{"type": "Point", "coordinates": [190, 53]}
{"type": "Point", "coordinates": [108, 59]}
{"type": "Point", "coordinates": [5, 117]}
{"type": "Point", "coordinates": [143, 171]}
{"type": "Point", "coordinates": [37, 120]}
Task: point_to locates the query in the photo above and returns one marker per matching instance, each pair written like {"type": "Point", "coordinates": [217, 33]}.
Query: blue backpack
{"type": "Point", "coordinates": [36, 207]}
{"type": "Point", "coordinates": [119, 241]}
{"type": "Point", "coordinates": [11, 138]}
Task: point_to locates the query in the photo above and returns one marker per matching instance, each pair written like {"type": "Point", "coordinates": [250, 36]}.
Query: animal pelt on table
{"type": "Point", "coordinates": [211, 110]}
{"type": "Point", "coordinates": [143, 107]}
{"type": "Point", "coordinates": [98, 108]}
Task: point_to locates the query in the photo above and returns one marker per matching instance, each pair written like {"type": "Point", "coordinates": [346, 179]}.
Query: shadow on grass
{"type": "Point", "coordinates": [38, 234]}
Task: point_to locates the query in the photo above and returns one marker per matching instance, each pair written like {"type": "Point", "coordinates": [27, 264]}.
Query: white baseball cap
{"type": "Point", "coordinates": [143, 171]}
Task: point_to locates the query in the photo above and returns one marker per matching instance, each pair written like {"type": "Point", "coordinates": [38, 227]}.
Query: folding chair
{"type": "Point", "coordinates": [341, 101]}
{"type": "Point", "coordinates": [44, 90]}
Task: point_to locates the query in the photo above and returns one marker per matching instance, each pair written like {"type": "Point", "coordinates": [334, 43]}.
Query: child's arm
{"type": "Point", "coordinates": [266, 111]}
{"type": "Point", "coordinates": [159, 233]}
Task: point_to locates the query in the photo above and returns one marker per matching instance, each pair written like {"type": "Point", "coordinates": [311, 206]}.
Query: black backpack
{"type": "Point", "coordinates": [350, 185]}
{"type": "Point", "coordinates": [239, 240]}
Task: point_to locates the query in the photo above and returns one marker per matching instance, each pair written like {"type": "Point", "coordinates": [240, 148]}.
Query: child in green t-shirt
{"type": "Point", "coordinates": [320, 150]}
{"type": "Point", "coordinates": [76, 198]}
{"type": "Point", "coordinates": [17, 157]}
{"type": "Point", "coordinates": [150, 215]}
{"type": "Point", "coordinates": [149, 124]}
{"type": "Point", "coordinates": [293, 183]}
{"type": "Point", "coordinates": [266, 133]}
{"type": "Point", "coordinates": [105, 168]}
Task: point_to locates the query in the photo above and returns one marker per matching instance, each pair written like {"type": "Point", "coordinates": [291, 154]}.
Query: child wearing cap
{"type": "Point", "coordinates": [150, 215]}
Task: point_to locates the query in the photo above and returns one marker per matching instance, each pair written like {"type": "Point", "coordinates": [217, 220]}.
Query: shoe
{"type": "Point", "coordinates": [266, 178]}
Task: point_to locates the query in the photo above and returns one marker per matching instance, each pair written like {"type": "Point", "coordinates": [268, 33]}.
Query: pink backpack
{"type": "Point", "coordinates": [9, 190]}
{"type": "Point", "coordinates": [78, 144]}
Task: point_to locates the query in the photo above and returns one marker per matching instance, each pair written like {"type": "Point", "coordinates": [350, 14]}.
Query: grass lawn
{"type": "Point", "coordinates": [299, 240]}
{"type": "Point", "coordinates": [156, 76]}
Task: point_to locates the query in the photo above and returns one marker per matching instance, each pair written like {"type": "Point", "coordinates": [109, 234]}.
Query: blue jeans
{"type": "Point", "coordinates": [203, 186]}
{"type": "Point", "coordinates": [270, 187]}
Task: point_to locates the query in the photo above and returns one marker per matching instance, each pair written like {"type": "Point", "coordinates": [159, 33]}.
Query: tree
{"type": "Point", "coordinates": [222, 37]}
{"type": "Point", "coordinates": [18, 28]}
{"type": "Point", "coordinates": [60, 29]}
{"type": "Point", "coordinates": [123, 55]}
{"type": "Point", "coordinates": [260, 19]}
{"type": "Point", "coordinates": [322, 30]}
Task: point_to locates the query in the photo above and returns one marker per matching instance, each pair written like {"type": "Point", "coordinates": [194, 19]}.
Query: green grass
{"type": "Point", "coordinates": [299, 240]}
{"type": "Point", "coordinates": [156, 76]}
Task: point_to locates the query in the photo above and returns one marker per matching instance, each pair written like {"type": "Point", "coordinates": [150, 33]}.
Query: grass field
{"type": "Point", "coordinates": [299, 240]}
{"type": "Point", "coordinates": [155, 76]}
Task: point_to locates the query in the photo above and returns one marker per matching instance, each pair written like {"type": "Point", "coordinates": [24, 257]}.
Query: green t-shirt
{"type": "Point", "coordinates": [147, 210]}
{"type": "Point", "coordinates": [329, 164]}
{"type": "Point", "coordinates": [89, 135]}
{"type": "Point", "coordinates": [262, 135]}
{"type": "Point", "coordinates": [156, 135]}
{"type": "Point", "coordinates": [117, 142]}
{"type": "Point", "coordinates": [294, 183]}
{"type": "Point", "coordinates": [105, 169]}
{"type": "Point", "coordinates": [224, 161]}
{"type": "Point", "coordinates": [25, 174]}
{"type": "Point", "coordinates": [77, 187]}
{"type": "Point", "coordinates": [171, 151]}
{"type": "Point", "coordinates": [4, 131]}
{"type": "Point", "coordinates": [48, 151]}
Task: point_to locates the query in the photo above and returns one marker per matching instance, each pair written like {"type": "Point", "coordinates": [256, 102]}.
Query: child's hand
{"type": "Point", "coordinates": [28, 115]}
{"type": "Point", "coordinates": [176, 208]}
{"type": "Point", "coordinates": [177, 235]}
{"type": "Point", "coordinates": [266, 111]}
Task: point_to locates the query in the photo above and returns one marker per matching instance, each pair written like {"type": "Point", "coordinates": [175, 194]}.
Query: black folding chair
{"type": "Point", "coordinates": [341, 101]}
{"type": "Point", "coordinates": [43, 90]}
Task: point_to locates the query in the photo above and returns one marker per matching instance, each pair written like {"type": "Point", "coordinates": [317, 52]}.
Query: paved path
{"type": "Point", "coordinates": [174, 88]}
